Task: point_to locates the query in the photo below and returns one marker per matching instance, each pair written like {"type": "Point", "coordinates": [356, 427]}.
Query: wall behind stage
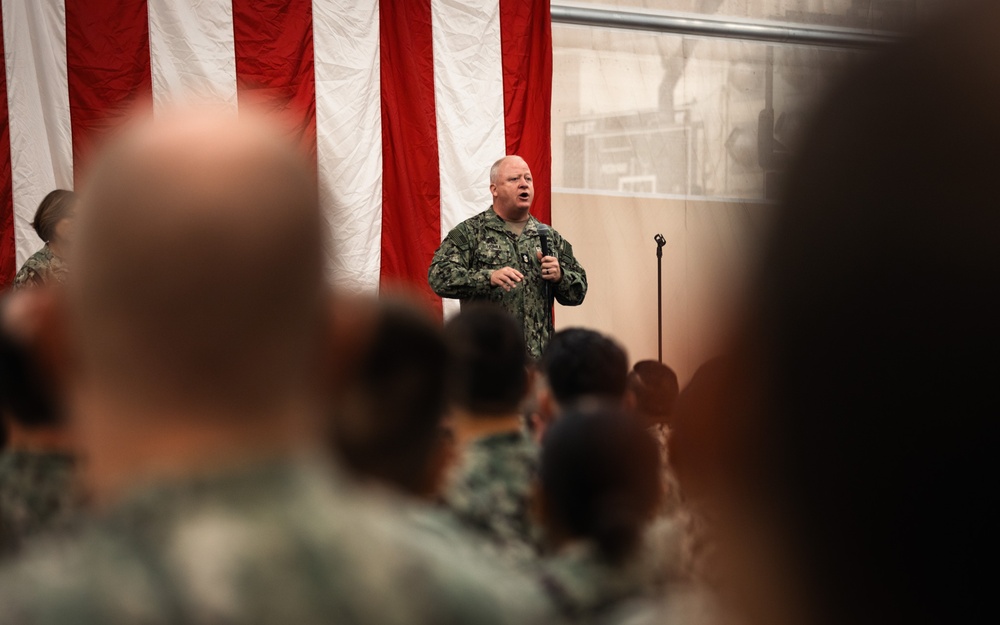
{"type": "Point", "coordinates": [710, 245]}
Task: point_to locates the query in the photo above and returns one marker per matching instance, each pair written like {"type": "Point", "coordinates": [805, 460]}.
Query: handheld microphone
{"type": "Point", "coordinates": [543, 235]}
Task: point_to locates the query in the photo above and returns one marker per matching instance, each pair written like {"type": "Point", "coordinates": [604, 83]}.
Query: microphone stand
{"type": "Point", "coordinates": [660, 242]}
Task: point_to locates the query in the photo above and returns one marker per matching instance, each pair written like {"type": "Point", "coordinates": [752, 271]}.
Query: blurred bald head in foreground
{"type": "Point", "coordinates": [199, 293]}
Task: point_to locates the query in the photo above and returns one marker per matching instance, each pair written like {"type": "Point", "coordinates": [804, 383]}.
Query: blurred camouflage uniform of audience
{"type": "Point", "coordinates": [37, 497]}
{"type": "Point", "coordinates": [276, 543]}
{"type": "Point", "coordinates": [38, 468]}
{"type": "Point", "coordinates": [491, 491]}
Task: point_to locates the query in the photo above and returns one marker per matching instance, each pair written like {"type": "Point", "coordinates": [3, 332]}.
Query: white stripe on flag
{"type": "Point", "coordinates": [349, 137]}
{"type": "Point", "coordinates": [192, 52]}
{"type": "Point", "coordinates": [41, 140]}
{"type": "Point", "coordinates": [468, 90]}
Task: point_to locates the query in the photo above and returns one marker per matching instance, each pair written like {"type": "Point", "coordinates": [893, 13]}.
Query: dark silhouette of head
{"type": "Point", "coordinates": [581, 363]}
{"type": "Point", "coordinates": [599, 478]}
{"type": "Point", "coordinates": [28, 391]}
{"type": "Point", "coordinates": [654, 389]}
{"type": "Point", "coordinates": [388, 425]}
{"type": "Point", "coordinates": [488, 373]}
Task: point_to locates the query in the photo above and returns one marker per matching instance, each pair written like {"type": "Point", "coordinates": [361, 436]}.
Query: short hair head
{"type": "Point", "coordinates": [198, 270]}
{"type": "Point", "coordinates": [54, 207]}
{"type": "Point", "coordinates": [27, 391]}
{"type": "Point", "coordinates": [599, 477]}
{"type": "Point", "coordinates": [488, 373]}
{"type": "Point", "coordinates": [654, 386]}
{"type": "Point", "coordinates": [579, 363]}
{"type": "Point", "coordinates": [390, 428]}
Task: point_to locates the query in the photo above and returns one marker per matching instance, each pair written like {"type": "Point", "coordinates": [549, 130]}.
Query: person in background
{"type": "Point", "coordinates": [496, 256]}
{"type": "Point", "coordinates": [389, 430]}
{"type": "Point", "coordinates": [652, 393]}
{"type": "Point", "coordinates": [489, 488]}
{"type": "Point", "coordinates": [54, 225]}
{"type": "Point", "coordinates": [579, 364]}
{"type": "Point", "coordinates": [699, 419]}
{"type": "Point", "coordinates": [196, 327]}
{"type": "Point", "coordinates": [39, 496]}
{"type": "Point", "coordinates": [598, 491]}
{"type": "Point", "coordinates": [388, 423]}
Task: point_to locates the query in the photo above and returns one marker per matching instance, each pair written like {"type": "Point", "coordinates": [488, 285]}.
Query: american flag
{"type": "Point", "coordinates": [404, 104]}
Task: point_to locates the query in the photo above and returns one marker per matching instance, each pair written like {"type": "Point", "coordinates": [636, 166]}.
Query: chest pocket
{"type": "Point", "coordinates": [494, 254]}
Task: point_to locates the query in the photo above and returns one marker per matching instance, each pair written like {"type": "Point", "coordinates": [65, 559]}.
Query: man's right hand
{"type": "Point", "coordinates": [506, 278]}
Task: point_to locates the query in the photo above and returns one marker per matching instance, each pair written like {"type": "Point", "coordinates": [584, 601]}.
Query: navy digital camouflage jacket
{"type": "Point", "coordinates": [480, 245]}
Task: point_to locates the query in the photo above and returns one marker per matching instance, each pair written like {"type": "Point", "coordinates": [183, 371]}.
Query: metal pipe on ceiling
{"type": "Point", "coordinates": [676, 24]}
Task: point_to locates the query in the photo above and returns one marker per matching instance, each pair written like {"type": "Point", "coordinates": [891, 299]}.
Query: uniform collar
{"type": "Point", "coordinates": [496, 222]}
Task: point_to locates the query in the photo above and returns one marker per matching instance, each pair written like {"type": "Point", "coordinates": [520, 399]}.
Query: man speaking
{"type": "Point", "coordinates": [505, 256]}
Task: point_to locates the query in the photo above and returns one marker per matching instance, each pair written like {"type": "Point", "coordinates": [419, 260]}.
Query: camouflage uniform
{"type": "Point", "coordinates": [509, 578]}
{"type": "Point", "coordinates": [480, 245]}
{"type": "Point", "coordinates": [274, 543]}
{"type": "Point", "coordinates": [584, 587]}
{"type": "Point", "coordinates": [671, 489]}
{"type": "Point", "coordinates": [490, 492]}
{"type": "Point", "coordinates": [37, 496]}
{"type": "Point", "coordinates": [41, 267]}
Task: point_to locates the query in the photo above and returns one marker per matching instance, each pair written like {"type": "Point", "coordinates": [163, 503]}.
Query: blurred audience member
{"type": "Point", "coordinates": [598, 490]}
{"type": "Point", "coordinates": [196, 318]}
{"type": "Point", "coordinates": [578, 364]}
{"type": "Point", "coordinates": [389, 422]}
{"type": "Point", "coordinates": [38, 494]}
{"type": "Point", "coordinates": [54, 225]}
{"type": "Point", "coordinates": [699, 420]}
{"type": "Point", "coordinates": [490, 487]}
{"type": "Point", "coordinates": [698, 425]}
{"type": "Point", "coordinates": [652, 393]}
{"type": "Point", "coordinates": [852, 480]}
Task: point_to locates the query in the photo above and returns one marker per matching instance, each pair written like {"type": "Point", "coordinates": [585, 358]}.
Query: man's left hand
{"type": "Point", "coordinates": [551, 270]}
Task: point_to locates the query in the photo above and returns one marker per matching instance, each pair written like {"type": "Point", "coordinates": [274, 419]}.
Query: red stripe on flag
{"type": "Point", "coordinates": [8, 253]}
{"type": "Point", "coordinates": [275, 63]}
{"type": "Point", "coordinates": [526, 49]}
{"type": "Point", "coordinates": [108, 69]}
{"type": "Point", "coordinates": [411, 184]}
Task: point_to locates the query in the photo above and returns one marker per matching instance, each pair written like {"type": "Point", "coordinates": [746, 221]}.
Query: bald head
{"type": "Point", "coordinates": [511, 187]}
{"type": "Point", "coordinates": [198, 267]}
{"type": "Point", "coordinates": [495, 168]}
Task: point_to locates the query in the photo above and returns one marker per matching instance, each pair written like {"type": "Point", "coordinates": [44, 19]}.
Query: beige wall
{"type": "Point", "coordinates": [709, 244]}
